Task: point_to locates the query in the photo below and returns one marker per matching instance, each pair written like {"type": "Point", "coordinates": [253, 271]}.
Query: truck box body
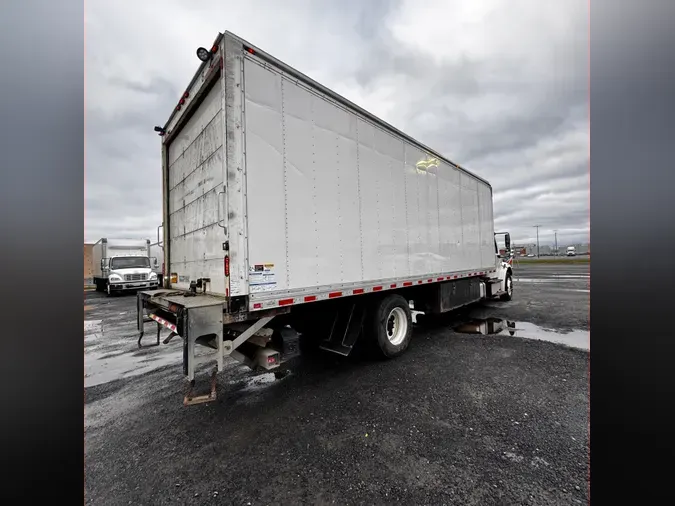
{"type": "Point", "coordinates": [299, 194]}
{"type": "Point", "coordinates": [291, 212]}
{"type": "Point", "coordinates": [106, 248]}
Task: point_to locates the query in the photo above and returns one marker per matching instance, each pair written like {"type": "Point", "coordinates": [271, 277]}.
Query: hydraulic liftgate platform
{"type": "Point", "coordinates": [200, 319]}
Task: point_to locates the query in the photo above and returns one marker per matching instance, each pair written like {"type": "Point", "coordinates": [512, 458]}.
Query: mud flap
{"type": "Point", "coordinates": [345, 329]}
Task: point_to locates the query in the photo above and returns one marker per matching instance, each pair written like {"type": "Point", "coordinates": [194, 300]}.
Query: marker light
{"type": "Point", "coordinates": [203, 54]}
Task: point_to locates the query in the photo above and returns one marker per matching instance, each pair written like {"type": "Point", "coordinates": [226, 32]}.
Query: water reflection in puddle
{"type": "Point", "coordinates": [491, 326]}
{"type": "Point", "coordinates": [110, 355]}
{"type": "Point", "coordinates": [551, 280]}
{"type": "Point", "coordinates": [259, 381]}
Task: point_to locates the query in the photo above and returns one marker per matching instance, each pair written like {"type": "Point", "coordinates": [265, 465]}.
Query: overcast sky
{"type": "Point", "coordinates": [500, 87]}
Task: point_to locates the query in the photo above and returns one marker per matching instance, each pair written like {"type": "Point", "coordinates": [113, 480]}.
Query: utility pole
{"type": "Point", "coordinates": [537, 227]}
{"type": "Point", "coordinates": [556, 242]}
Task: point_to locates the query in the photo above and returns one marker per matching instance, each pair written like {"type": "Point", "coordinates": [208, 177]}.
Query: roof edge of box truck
{"type": "Point", "coordinates": [192, 82]}
{"type": "Point", "coordinates": [330, 93]}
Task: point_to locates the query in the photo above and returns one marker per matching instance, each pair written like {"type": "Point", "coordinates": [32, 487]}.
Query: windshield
{"type": "Point", "coordinates": [129, 262]}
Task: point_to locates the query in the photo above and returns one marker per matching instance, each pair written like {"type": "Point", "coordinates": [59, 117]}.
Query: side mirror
{"type": "Point", "coordinates": [102, 263]}
{"type": "Point", "coordinates": [507, 241]}
{"type": "Point", "coordinates": [155, 262]}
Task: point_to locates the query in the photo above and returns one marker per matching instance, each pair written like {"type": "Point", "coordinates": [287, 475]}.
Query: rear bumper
{"type": "Point", "coordinates": [134, 285]}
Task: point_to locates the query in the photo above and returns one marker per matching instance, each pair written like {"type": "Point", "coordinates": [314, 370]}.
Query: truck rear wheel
{"type": "Point", "coordinates": [391, 325]}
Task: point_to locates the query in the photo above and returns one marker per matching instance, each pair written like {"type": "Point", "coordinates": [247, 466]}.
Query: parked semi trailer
{"type": "Point", "coordinates": [288, 208]}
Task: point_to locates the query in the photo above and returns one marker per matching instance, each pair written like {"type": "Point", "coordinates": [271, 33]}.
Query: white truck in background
{"type": "Point", "coordinates": [122, 264]}
{"type": "Point", "coordinates": [571, 251]}
{"type": "Point", "coordinates": [289, 210]}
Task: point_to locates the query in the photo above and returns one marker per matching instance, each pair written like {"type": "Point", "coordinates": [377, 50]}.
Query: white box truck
{"type": "Point", "coordinates": [122, 264]}
{"type": "Point", "coordinates": [571, 251]}
{"type": "Point", "coordinates": [286, 206]}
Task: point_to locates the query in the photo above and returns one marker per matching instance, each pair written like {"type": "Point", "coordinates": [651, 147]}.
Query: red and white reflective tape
{"type": "Point", "coordinates": [163, 322]}
{"type": "Point", "coordinates": [290, 301]}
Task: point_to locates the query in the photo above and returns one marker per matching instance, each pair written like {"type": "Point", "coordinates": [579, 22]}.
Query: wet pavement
{"type": "Point", "coordinates": [110, 354]}
{"type": "Point", "coordinates": [480, 410]}
{"type": "Point", "coordinates": [580, 339]}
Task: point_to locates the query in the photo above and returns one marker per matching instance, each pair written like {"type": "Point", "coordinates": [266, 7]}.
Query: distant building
{"type": "Point", "coordinates": [88, 274]}
{"type": "Point", "coordinates": [524, 250]}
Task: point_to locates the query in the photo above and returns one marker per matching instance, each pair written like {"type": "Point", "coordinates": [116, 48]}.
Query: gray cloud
{"type": "Point", "coordinates": [500, 88]}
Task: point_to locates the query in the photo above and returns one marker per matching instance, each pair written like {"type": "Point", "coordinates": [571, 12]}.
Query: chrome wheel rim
{"type": "Point", "coordinates": [509, 286]}
{"type": "Point", "coordinates": [397, 326]}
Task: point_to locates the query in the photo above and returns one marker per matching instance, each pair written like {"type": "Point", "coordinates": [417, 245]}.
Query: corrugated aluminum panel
{"type": "Point", "coordinates": [334, 199]}
{"type": "Point", "coordinates": [195, 178]}
{"type": "Point", "coordinates": [265, 178]}
{"type": "Point", "coordinates": [487, 244]}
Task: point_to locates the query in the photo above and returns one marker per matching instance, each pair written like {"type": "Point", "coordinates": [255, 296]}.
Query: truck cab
{"type": "Point", "coordinates": [128, 273]}
{"type": "Point", "coordinates": [571, 251]}
{"type": "Point", "coordinates": [123, 264]}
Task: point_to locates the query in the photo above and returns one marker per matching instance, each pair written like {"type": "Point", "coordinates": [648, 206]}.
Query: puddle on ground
{"type": "Point", "coordinates": [582, 275]}
{"type": "Point", "coordinates": [111, 355]}
{"type": "Point", "coordinates": [92, 326]}
{"type": "Point", "coordinates": [261, 381]}
{"type": "Point", "coordinates": [550, 280]}
{"type": "Point", "coordinates": [491, 326]}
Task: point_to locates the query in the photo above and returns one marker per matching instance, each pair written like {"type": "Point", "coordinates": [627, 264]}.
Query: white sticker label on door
{"type": "Point", "coordinates": [261, 278]}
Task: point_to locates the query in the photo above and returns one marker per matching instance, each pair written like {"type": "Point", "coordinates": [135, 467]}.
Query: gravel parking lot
{"type": "Point", "coordinates": [461, 418]}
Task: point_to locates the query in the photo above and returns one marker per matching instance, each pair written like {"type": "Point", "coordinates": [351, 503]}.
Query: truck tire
{"type": "Point", "coordinates": [508, 284]}
{"type": "Point", "coordinates": [108, 289]}
{"type": "Point", "coordinates": [391, 325]}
